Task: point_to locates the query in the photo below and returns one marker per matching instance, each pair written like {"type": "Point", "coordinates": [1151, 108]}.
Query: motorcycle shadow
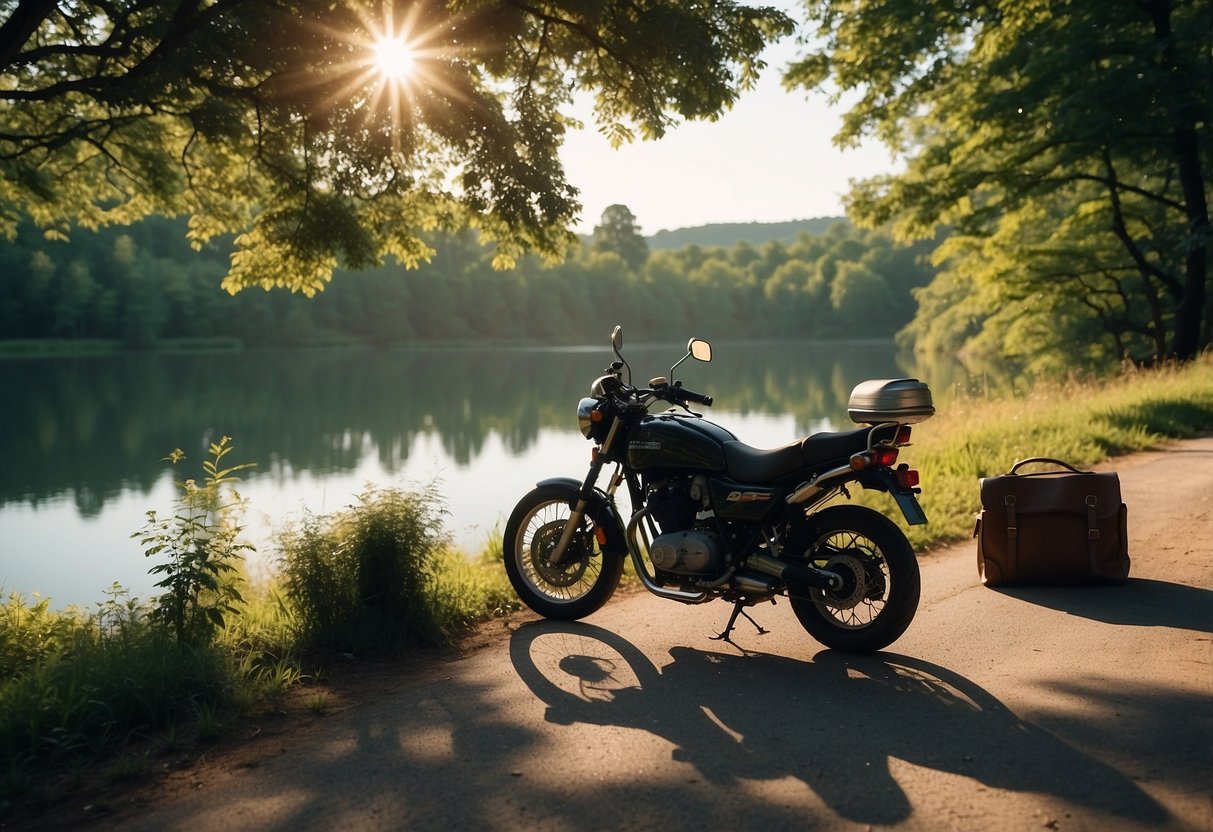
{"type": "Point", "coordinates": [834, 723]}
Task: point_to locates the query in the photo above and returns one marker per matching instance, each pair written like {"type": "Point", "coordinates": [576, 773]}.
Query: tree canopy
{"type": "Point", "coordinates": [271, 119]}
{"type": "Point", "coordinates": [1068, 146]}
{"type": "Point", "coordinates": [619, 232]}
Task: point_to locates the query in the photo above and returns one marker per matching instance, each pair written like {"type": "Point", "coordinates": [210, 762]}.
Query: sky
{"type": "Point", "coordinates": [769, 159]}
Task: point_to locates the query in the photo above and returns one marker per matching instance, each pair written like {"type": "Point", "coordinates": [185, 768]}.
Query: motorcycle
{"type": "Point", "coordinates": [714, 518]}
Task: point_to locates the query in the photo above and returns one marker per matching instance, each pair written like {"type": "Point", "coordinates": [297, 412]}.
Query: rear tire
{"type": "Point", "coordinates": [881, 581]}
{"type": "Point", "coordinates": [584, 579]}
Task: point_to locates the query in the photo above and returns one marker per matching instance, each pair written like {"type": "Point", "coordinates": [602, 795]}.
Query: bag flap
{"type": "Point", "coordinates": [1053, 491]}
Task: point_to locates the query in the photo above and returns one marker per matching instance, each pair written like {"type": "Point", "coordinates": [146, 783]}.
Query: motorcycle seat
{"type": "Point", "coordinates": [756, 465]}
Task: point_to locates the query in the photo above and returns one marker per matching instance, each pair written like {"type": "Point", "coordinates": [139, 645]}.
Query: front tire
{"type": "Point", "coordinates": [881, 587]}
{"type": "Point", "coordinates": [583, 580]}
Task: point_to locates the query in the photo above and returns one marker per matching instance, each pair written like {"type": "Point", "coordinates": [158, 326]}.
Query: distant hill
{"type": "Point", "coordinates": [728, 234]}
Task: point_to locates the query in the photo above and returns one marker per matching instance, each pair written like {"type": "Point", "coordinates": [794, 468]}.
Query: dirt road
{"type": "Point", "coordinates": [1064, 709]}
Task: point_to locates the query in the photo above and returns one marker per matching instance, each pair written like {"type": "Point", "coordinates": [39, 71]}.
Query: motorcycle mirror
{"type": "Point", "coordinates": [616, 343]}
{"type": "Point", "coordinates": [700, 350]}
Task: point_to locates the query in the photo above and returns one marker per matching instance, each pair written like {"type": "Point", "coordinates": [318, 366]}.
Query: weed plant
{"type": "Point", "coordinates": [201, 548]}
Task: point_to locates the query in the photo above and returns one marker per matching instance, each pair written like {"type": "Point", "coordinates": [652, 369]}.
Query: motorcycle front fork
{"type": "Point", "coordinates": [583, 496]}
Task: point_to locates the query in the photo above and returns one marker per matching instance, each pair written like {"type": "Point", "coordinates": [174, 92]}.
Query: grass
{"type": "Point", "coordinates": [82, 689]}
{"type": "Point", "coordinates": [1081, 423]}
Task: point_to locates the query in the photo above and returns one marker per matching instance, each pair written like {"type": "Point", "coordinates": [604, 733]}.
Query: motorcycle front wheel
{"type": "Point", "coordinates": [881, 583]}
{"type": "Point", "coordinates": [581, 581]}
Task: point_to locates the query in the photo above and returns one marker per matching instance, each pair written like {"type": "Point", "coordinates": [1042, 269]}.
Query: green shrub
{"type": "Point", "coordinates": [359, 579]}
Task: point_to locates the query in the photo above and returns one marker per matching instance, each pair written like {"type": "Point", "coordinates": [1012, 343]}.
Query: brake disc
{"type": "Point", "coordinates": [570, 568]}
{"type": "Point", "coordinates": [854, 583]}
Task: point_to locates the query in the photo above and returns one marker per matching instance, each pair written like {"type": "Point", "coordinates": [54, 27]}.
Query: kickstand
{"type": "Point", "coordinates": [738, 609]}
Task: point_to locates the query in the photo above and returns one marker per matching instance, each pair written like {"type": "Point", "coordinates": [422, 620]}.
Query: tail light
{"type": "Point", "coordinates": [907, 477]}
{"type": "Point", "coordinates": [903, 436]}
{"type": "Point", "coordinates": [884, 457]}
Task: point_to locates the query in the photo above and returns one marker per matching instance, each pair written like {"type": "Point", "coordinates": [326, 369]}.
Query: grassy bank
{"type": "Point", "coordinates": [1080, 422]}
{"type": "Point", "coordinates": [106, 690]}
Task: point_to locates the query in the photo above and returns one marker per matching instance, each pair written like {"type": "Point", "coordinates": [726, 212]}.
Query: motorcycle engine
{"type": "Point", "coordinates": [694, 552]}
{"type": "Point", "coordinates": [683, 548]}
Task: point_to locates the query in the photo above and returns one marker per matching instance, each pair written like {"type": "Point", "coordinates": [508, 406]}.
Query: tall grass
{"type": "Point", "coordinates": [92, 682]}
{"type": "Point", "coordinates": [1080, 422]}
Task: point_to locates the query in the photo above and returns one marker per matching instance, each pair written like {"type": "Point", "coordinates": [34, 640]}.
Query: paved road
{"type": "Point", "coordinates": [1065, 709]}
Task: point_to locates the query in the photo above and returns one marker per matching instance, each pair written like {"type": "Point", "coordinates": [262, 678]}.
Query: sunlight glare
{"type": "Point", "coordinates": [394, 58]}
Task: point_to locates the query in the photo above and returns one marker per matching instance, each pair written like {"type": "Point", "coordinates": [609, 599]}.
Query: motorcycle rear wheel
{"type": "Point", "coordinates": [585, 577]}
{"type": "Point", "coordinates": [881, 581]}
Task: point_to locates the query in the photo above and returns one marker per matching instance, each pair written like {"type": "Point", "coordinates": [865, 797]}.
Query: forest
{"type": "Point", "coordinates": [143, 284]}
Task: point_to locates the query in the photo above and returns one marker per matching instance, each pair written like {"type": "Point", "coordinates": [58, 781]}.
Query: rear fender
{"type": "Point", "coordinates": [600, 508]}
{"type": "Point", "coordinates": [883, 479]}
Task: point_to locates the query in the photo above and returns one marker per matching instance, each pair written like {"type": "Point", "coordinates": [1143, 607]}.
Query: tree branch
{"type": "Point", "coordinates": [21, 25]}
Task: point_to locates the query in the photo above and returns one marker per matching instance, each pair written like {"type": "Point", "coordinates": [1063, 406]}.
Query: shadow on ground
{"type": "Point", "coordinates": [834, 723]}
{"type": "Point", "coordinates": [1137, 602]}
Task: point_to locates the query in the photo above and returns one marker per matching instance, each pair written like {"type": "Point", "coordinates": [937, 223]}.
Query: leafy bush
{"type": "Point", "coordinates": [359, 579]}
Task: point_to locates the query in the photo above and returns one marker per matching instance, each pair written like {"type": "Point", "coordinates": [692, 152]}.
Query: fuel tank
{"type": "Point", "coordinates": [673, 440]}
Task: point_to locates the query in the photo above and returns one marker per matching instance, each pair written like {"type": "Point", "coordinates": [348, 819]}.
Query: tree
{"type": "Point", "coordinates": [1009, 112]}
{"type": "Point", "coordinates": [272, 120]}
{"type": "Point", "coordinates": [618, 232]}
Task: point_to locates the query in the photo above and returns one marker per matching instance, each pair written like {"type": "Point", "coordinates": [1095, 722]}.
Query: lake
{"type": "Point", "coordinates": [84, 439]}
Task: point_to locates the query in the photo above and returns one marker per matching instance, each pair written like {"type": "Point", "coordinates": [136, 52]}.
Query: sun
{"type": "Point", "coordinates": [395, 58]}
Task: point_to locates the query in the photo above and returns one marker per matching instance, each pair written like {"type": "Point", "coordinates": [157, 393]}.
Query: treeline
{"type": "Point", "coordinates": [143, 284]}
{"type": "Point", "coordinates": [727, 233]}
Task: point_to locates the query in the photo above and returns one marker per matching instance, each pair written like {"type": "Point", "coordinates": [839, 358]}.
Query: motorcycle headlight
{"type": "Point", "coordinates": [585, 416]}
{"type": "Point", "coordinates": [604, 385]}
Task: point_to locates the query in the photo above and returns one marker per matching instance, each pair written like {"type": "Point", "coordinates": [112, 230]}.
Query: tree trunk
{"type": "Point", "coordinates": [1189, 314]}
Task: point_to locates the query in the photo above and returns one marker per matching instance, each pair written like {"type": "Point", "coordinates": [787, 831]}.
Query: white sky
{"type": "Point", "coordinates": [769, 159]}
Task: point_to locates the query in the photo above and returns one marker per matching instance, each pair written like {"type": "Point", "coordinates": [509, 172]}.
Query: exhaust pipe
{"type": "Point", "coordinates": [794, 573]}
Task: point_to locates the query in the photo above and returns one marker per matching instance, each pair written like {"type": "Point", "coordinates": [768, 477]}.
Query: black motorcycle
{"type": "Point", "coordinates": [715, 518]}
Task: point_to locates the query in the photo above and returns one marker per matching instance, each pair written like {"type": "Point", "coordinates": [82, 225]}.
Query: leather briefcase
{"type": "Point", "coordinates": [1052, 528]}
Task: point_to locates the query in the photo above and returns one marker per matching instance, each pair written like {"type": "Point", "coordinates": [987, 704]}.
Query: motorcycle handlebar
{"type": "Point", "coordinates": [692, 396]}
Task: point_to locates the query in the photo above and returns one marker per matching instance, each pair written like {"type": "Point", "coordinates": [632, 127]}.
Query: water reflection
{"type": "Point", "coordinates": [91, 432]}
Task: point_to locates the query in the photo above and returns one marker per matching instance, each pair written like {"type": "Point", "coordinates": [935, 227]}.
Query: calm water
{"type": "Point", "coordinates": [83, 439]}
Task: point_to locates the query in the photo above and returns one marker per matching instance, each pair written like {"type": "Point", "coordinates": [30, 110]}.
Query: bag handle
{"type": "Point", "coordinates": [1030, 460]}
